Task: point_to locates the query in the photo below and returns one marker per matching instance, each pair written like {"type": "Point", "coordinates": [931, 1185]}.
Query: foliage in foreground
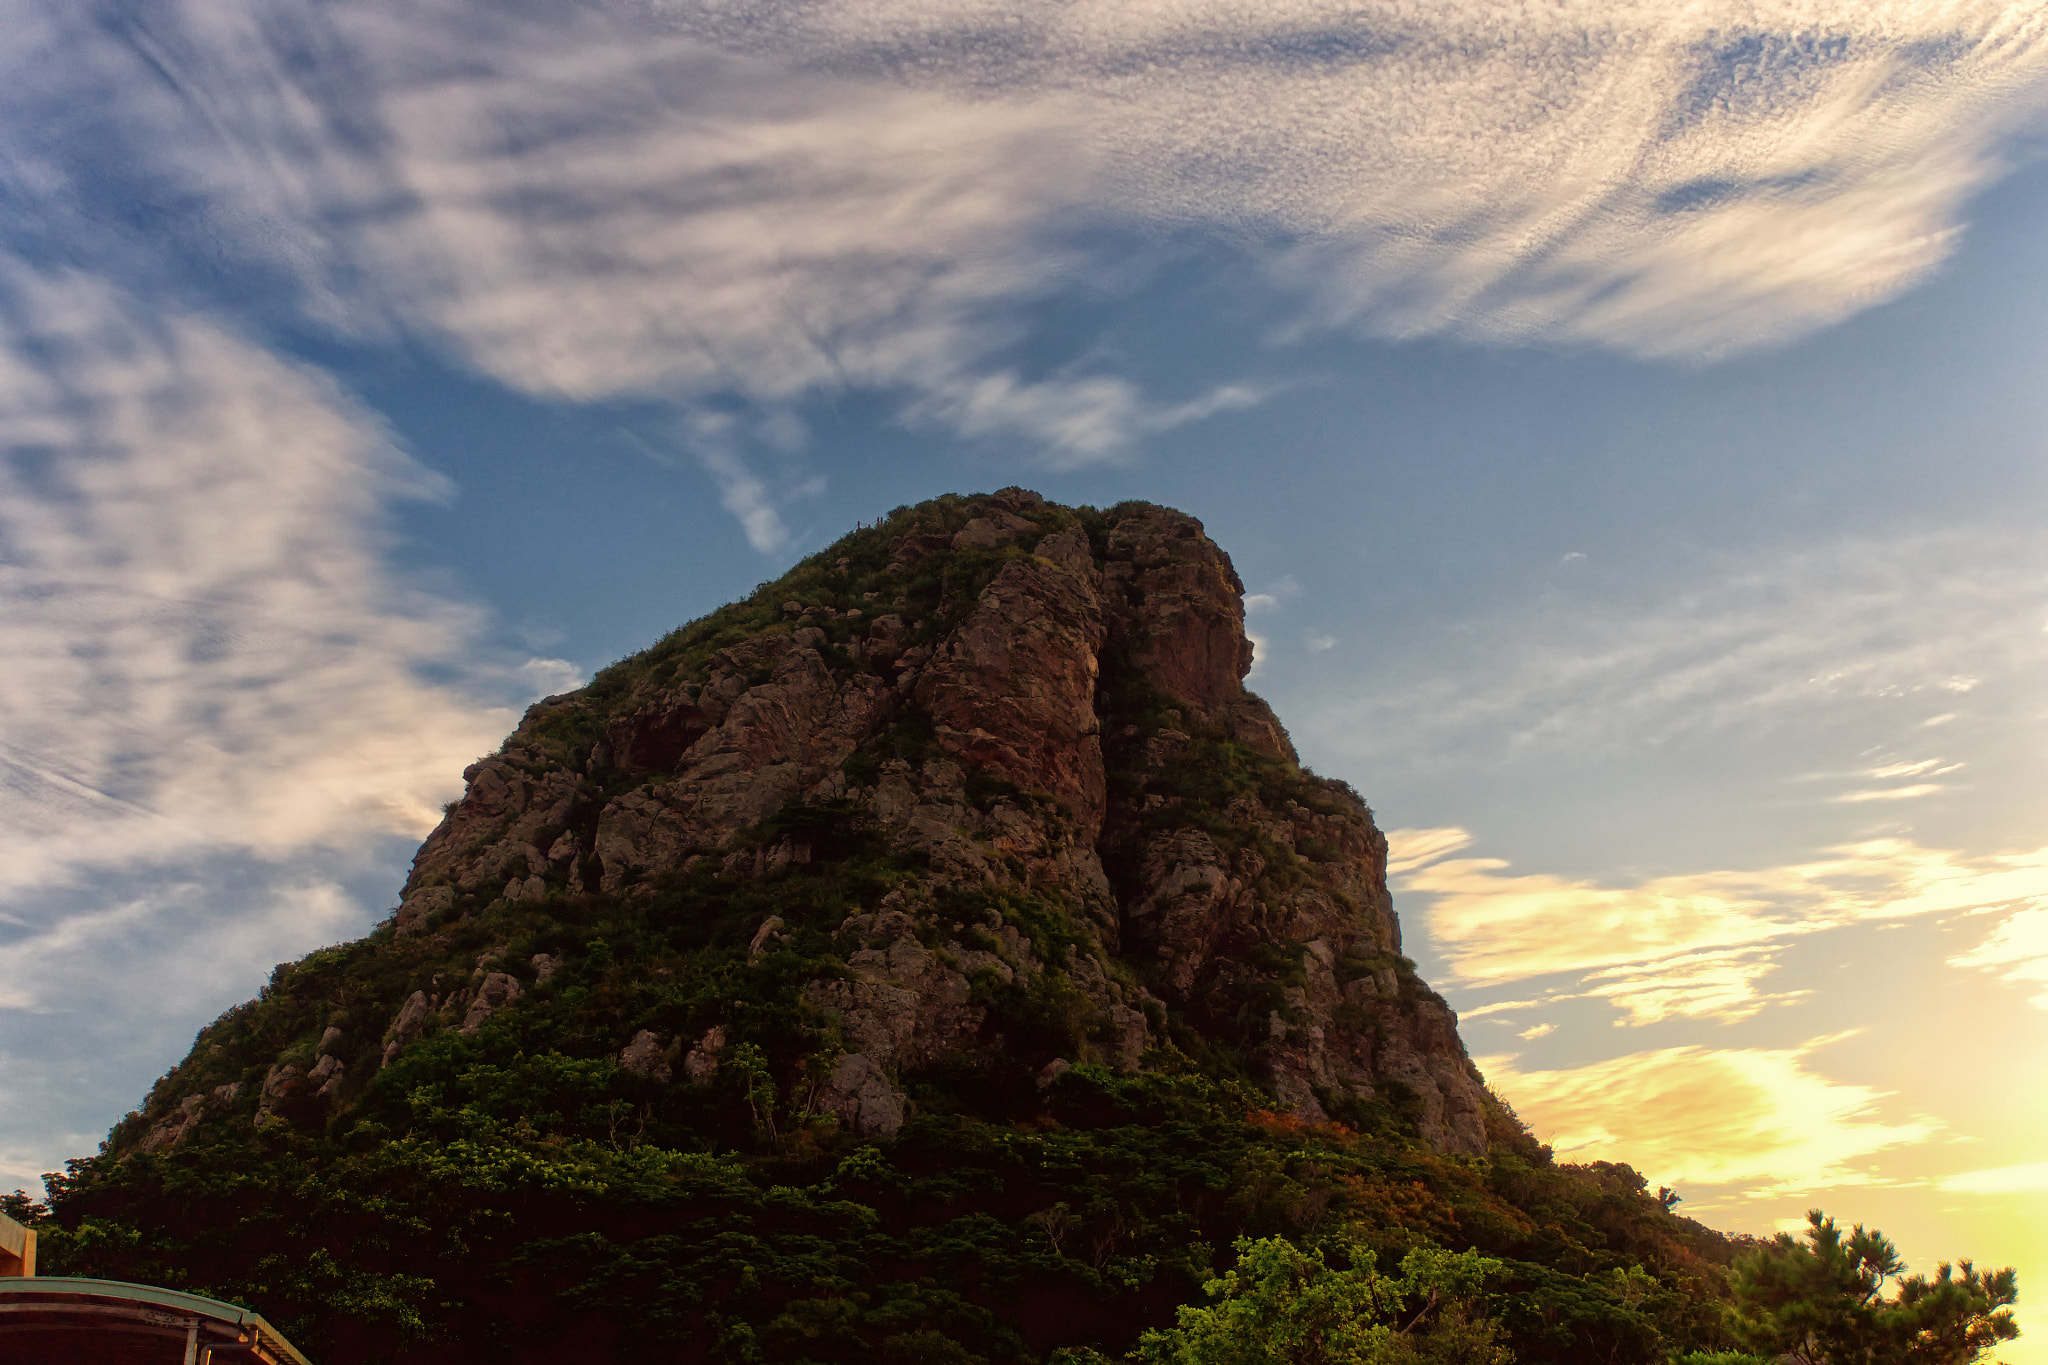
{"type": "Point", "coordinates": [1283, 1305]}
{"type": "Point", "coordinates": [1818, 1303]}
{"type": "Point", "coordinates": [1823, 1302]}
{"type": "Point", "coordinates": [445, 1225]}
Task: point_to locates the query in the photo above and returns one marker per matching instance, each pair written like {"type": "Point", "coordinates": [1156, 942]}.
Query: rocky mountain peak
{"type": "Point", "coordinates": [1043, 711]}
{"type": "Point", "coordinates": [991, 774]}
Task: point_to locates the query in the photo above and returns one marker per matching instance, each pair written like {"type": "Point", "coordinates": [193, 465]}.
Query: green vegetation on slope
{"type": "Point", "coordinates": [486, 1200]}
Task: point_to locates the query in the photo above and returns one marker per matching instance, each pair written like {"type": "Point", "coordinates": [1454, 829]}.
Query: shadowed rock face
{"type": "Point", "coordinates": [1038, 714]}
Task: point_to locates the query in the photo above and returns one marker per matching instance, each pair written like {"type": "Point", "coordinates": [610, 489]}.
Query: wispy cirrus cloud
{"type": "Point", "coordinates": [789, 198]}
{"type": "Point", "coordinates": [1760, 1117]}
{"type": "Point", "coordinates": [1700, 945]}
{"type": "Point", "coordinates": [203, 649]}
{"type": "Point", "coordinates": [2016, 950]}
{"type": "Point", "coordinates": [1675, 181]}
{"type": "Point", "coordinates": [585, 207]}
{"type": "Point", "coordinates": [220, 704]}
{"type": "Point", "coordinates": [2027, 1178]}
{"type": "Point", "coordinates": [1878, 632]}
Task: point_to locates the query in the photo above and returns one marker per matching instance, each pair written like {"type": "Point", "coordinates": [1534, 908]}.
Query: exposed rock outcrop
{"type": "Point", "coordinates": [700, 1064]}
{"type": "Point", "coordinates": [283, 1084]}
{"type": "Point", "coordinates": [405, 1025]}
{"type": "Point", "coordinates": [1018, 736]}
{"type": "Point", "coordinates": [498, 990]}
{"type": "Point", "coordinates": [644, 1056]}
{"type": "Point", "coordinates": [172, 1129]}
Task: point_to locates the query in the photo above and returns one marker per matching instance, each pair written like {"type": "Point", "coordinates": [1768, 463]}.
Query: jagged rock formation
{"type": "Point", "coordinates": [1186, 910]}
{"type": "Point", "coordinates": [1061, 729]}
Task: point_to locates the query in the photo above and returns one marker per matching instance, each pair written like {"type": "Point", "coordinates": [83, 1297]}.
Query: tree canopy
{"type": "Point", "coordinates": [1284, 1305]}
{"type": "Point", "coordinates": [1823, 1301]}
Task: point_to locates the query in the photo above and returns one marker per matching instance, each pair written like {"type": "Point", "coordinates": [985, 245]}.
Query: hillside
{"type": "Point", "coordinates": [938, 955]}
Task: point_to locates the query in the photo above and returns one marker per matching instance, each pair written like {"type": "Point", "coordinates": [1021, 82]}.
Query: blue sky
{"type": "Point", "coordinates": [1627, 420]}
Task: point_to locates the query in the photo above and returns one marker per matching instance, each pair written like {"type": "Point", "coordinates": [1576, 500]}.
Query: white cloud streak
{"type": "Point", "coordinates": [1698, 945]}
{"type": "Point", "coordinates": [791, 198]}
{"type": "Point", "coordinates": [1811, 636]}
{"type": "Point", "coordinates": [2017, 950]}
{"type": "Point", "coordinates": [1762, 1117]}
{"type": "Point", "coordinates": [1911, 793]}
{"type": "Point", "coordinates": [1676, 180]}
{"type": "Point", "coordinates": [203, 649]}
{"type": "Point", "coordinates": [210, 676]}
{"type": "Point", "coordinates": [2029, 1178]}
{"type": "Point", "coordinates": [1909, 769]}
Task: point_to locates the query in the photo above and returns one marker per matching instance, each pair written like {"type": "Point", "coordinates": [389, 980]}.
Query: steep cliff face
{"type": "Point", "coordinates": [1048, 720]}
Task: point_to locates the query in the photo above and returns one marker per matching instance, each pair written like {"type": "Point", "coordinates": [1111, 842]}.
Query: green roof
{"type": "Point", "coordinates": [56, 1290]}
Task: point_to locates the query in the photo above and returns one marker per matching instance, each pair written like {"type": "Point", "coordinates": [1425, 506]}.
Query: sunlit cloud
{"type": "Point", "coordinates": [1507, 1007]}
{"type": "Point", "coordinates": [1887, 771]}
{"type": "Point", "coordinates": [1913, 792]}
{"type": "Point", "coordinates": [1495, 928]}
{"type": "Point", "coordinates": [1699, 945]}
{"type": "Point", "coordinates": [1408, 849]}
{"type": "Point", "coordinates": [1708, 985]}
{"type": "Point", "coordinates": [1760, 1117]}
{"type": "Point", "coordinates": [1535, 1031]}
{"type": "Point", "coordinates": [2017, 950]}
{"type": "Point", "coordinates": [2029, 1178]}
